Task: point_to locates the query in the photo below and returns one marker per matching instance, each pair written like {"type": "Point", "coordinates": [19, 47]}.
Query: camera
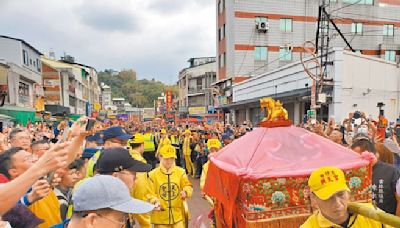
{"type": "Point", "coordinates": [356, 120]}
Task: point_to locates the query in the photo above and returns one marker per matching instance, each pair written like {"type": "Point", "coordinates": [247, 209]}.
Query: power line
{"type": "Point", "coordinates": [343, 7]}
{"type": "Point", "coordinates": [371, 16]}
{"type": "Point", "coordinates": [268, 63]}
{"type": "Point", "coordinates": [245, 54]}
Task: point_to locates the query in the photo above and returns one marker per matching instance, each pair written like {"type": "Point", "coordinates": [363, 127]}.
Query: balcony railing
{"type": "Point", "coordinates": [196, 90]}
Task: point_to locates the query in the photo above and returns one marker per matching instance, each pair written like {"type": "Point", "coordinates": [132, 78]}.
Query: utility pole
{"type": "Point", "coordinates": [322, 49]}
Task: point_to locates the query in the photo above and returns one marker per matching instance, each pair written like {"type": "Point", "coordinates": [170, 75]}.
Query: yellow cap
{"type": "Point", "coordinates": [168, 151]}
{"type": "Point", "coordinates": [137, 138]}
{"type": "Point", "coordinates": [213, 143]}
{"type": "Point", "coordinates": [163, 131]}
{"type": "Point", "coordinates": [326, 181]}
{"type": "Point", "coordinates": [187, 131]}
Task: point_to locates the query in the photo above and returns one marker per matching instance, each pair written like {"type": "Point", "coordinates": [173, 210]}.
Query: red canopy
{"type": "Point", "coordinates": [272, 152]}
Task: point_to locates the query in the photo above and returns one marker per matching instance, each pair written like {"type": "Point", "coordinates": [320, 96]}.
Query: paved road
{"type": "Point", "coordinates": [198, 207]}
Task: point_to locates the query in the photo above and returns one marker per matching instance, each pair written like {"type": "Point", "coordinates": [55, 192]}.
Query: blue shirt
{"type": "Point", "coordinates": [62, 225]}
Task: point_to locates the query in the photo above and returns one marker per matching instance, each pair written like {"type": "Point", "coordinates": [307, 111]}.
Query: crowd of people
{"type": "Point", "coordinates": [89, 173]}
{"type": "Point", "coordinates": [67, 174]}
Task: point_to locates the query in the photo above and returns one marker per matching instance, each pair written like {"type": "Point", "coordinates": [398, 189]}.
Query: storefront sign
{"type": "Point", "coordinates": [197, 110]}
{"type": "Point", "coordinates": [169, 101]}
{"type": "Point", "coordinates": [122, 116]}
{"type": "Point", "coordinates": [97, 106]}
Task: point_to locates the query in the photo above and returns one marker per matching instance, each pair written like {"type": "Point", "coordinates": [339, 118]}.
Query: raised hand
{"type": "Point", "coordinates": [53, 159]}
{"type": "Point", "coordinates": [40, 189]}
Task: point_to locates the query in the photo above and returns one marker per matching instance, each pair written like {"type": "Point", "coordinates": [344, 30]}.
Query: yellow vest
{"type": "Point", "coordinates": [149, 145]}
{"type": "Point", "coordinates": [317, 220]}
{"type": "Point", "coordinates": [71, 206]}
{"type": "Point", "coordinates": [174, 140]}
{"type": "Point", "coordinates": [176, 180]}
{"type": "Point", "coordinates": [47, 209]}
{"type": "Point", "coordinates": [90, 165]}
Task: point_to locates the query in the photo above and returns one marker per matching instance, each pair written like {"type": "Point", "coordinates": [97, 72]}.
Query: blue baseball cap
{"type": "Point", "coordinates": [89, 152]}
{"type": "Point", "coordinates": [116, 132]}
{"type": "Point", "coordinates": [225, 136]}
{"type": "Point", "coordinates": [98, 138]}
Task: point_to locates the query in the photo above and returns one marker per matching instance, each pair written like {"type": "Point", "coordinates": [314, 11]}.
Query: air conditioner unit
{"type": "Point", "coordinates": [262, 26]}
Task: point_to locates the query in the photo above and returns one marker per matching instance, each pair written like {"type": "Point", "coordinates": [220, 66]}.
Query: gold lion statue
{"type": "Point", "coordinates": [275, 110]}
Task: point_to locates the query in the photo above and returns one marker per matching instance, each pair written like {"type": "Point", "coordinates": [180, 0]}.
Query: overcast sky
{"type": "Point", "coordinates": [154, 37]}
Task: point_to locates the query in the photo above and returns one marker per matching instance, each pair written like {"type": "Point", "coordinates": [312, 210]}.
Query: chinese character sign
{"type": "Point", "coordinates": [168, 96]}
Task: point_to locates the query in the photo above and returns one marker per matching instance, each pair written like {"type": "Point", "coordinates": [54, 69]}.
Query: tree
{"type": "Point", "coordinates": [127, 75]}
{"type": "Point", "coordinates": [139, 93]}
{"type": "Point", "coordinates": [137, 100]}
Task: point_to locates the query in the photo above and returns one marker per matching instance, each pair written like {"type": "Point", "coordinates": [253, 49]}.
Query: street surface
{"type": "Point", "coordinates": [198, 207]}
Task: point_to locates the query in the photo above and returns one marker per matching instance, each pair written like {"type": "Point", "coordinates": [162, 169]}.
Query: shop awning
{"type": "Point", "coordinates": [281, 96]}
{"type": "Point", "coordinates": [5, 117]}
{"type": "Point", "coordinates": [75, 117]}
{"type": "Point", "coordinates": [21, 115]}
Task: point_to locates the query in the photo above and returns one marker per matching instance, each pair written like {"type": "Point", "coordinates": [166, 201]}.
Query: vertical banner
{"type": "Point", "coordinates": [169, 100]}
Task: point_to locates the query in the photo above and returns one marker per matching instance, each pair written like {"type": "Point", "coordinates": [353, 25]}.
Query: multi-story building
{"type": "Point", "coordinates": [70, 85]}
{"type": "Point", "coordinates": [21, 78]}
{"type": "Point", "coordinates": [256, 36]}
{"type": "Point", "coordinates": [195, 91]}
{"type": "Point", "coordinates": [119, 103]}
{"type": "Point", "coordinates": [358, 83]}
{"type": "Point", "coordinates": [106, 96]}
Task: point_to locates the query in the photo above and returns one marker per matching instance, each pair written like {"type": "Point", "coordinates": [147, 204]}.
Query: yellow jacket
{"type": "Point", "coordinates": [47, 209]}
{"type": "Point", "coordinates": [186, 146]}
{"type": "Point", "coordinates": [167, 186]}
{"type": "Point", "coordinates": [142, 191]}
{"type": "Point", "coordinates": [204, 175]}
{"type": "Point", "coordinates": [317, 220]}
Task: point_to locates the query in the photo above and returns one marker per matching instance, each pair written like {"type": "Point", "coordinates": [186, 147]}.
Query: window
{"type": "Point", "coordinates": [38, 65]}
{"type": "Point", "coordinates": [221, 6]}
{"type": "Point", "coordinates": [261, 19]}
{"type": "Point", "coordinates": [25, 57]}
{"type": "Point", "coordinates": [357, 28]}
{"type": "Point", "coordinates": [260, 53]}
{"type": "Point", "coordinates": [390, 55]}
{"type": "Point", "coordinates": [362, 2]}
{"type": "Point", "coordinates": [222, 60]}
{"type": "Point", "coordinates": [285, 54]}
{"type": "Point", "coordinates": [286, 25]}
{"type": "Point", "coordinates": [199, 83]}
{"type": "Point", "coordinates": [221, 33]}
{"type": "Point", "coordinates": [388, 30]}
{"type": "Point", "coordinates": [23, 89]}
